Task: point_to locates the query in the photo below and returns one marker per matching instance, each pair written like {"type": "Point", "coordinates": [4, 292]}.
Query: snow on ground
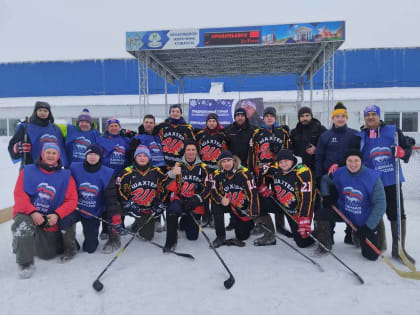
{"type": "Point", "coordinates": [8, 175]}
{"type": "Point", "coordinates": [269, 280]}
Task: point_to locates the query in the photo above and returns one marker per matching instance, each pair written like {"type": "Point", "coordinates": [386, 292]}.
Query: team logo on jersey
{"type": "Point", "coordinates": [88, 194]}
{"type": "Point", "coordinates": [143, 197]}
{"type": "Point", "coordinates": [209, 153]}
{"type": "Point", "coordinates": [118, 155]}
{"type": "Point", "coordinates": [172, 146]}
{"type": "Point", "coordinates": [265, 152]}
{"type": "Point", "coordinates": [353, 199]}
{"type": "Point", "coordinates": [187, 189]}
{"type": "Point", "coordinates": [382, 159]}
{"type": "Point", "coordinates": [284, 196]}
{"type": "Point", "coordinates": [45, 195]}
{"type": "Point", "coordinates": [79, 148]}
{"type": "Point", "coordinates": [237, 198]}
{"type": "Point", "coordinates": [48, 138]}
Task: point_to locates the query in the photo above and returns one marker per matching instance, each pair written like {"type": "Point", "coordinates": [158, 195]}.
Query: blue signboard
{"type": "Point", "coordinates": [236, 36]}
{"type": "Point", "coordinates": [200, 108]}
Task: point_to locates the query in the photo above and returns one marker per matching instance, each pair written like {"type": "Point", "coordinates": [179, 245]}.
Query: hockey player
{"type": "Point", "coordinates": [190, 188]}
{"type": "Point", "coordinates": [97, 194]}
{"type": "Point", "coordinates": [291, 184]}
{"type": "Point", "coordinates": [141, 191]}
{"type": "Point", "coordinates": [233, 192]}
{"type": "Point", "coordinates": [359, 194]}
{"type": "Point", "coordinates": [80, 136]}
{"type": "Point", "coordinates": [239, 133]}
{"type": "Point", "coordinates": [331, 148]}
{"type": "Point", "coordinates": [266, 141]}
{"type": "Point", "coordinates": [378, 147]}
{"type": "Point", "coordinates": [41, 129]}
{"type": "Point", "coordinates": [45, 194]}
{"type": "Point", "coordinates": [211, 142]}
{"type": "Point", "coordinates": [173, 133]}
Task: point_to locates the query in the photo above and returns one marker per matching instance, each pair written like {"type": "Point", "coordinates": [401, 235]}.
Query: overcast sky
{"type": "Point", "coordinates": [93, 29]}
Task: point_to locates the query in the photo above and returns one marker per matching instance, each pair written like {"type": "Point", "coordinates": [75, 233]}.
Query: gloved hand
{"type": "Point", "coordinates": [22, 147]}
{"type": "Point", "coordinates": [191, 203]}
{"type": "Point", "coordinates": [127, 133]}
{"type": "Point", "coordinates": [275, 147]}
{"type": "Point", "coordinates": [328, 201]}
{"type": "Point", "coordinates": [398, 152]}
{"type": "Point", "coordinates": [264, 191]}
{"type": "Point", "coordinates": [158, 209]}
{"type": "Point", "coordinates": [304, 226]}
{"type": "Point", "coordinates": [198, 188]}
{"type": "Point", "coordinates": [116, 223]}
{"type": "Point", "coordinates": [333, 168]}
{"type": "Point", "coordinates": [132, 207]}
{"type": "Point", "coordinates": [363, 232]}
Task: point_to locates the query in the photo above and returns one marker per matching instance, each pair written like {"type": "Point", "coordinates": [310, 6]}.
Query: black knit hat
{"type": "Point", "coordinates": [240, 111]}
{"type": "Point", "coordinates": [45, 105]}
{"type": "Point", "coordinates": [285, 155]}
{"type": "Point", "coordinates": [226, 154]}
{"type": "Point", "coordinates": [304, 110]}
{"type": "Point", "coordinates": [212, 116]}
{"type": "Point", "coordinates": [354, 152]}
{"type": "Point", "coordinates": [176, 106]}
{"type": "Point", "coordinates": [340, 105]}
{"type": "Point", "coordinates": [94, 148]}
{"type": "Point", "coordinates": [270, 111]}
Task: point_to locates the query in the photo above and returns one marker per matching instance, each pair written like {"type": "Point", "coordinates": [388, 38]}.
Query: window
{"type": "Point", "coordinates": [407, 121]}
{"type": "Point", "coordinates": [3, 127]}
{"type": "Point", "coordinates": [12, 126]}
{"type": "Point", "coordinates": [392, 118]}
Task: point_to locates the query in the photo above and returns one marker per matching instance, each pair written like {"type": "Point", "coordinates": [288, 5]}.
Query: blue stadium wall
{"type": "Point", "coordinates": [360, 68]}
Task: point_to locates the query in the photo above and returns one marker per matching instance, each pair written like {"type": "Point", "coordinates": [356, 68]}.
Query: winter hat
{"type": "Point", "coordinates": [340, 109]}
{"type": "Point", "coordinates": [240, 111]}
{"type": "Point", "coordinates": [285, 155]}
{"type": "Point", "coordinates": [304, 110]}
{"type": "Point", "coordinates": [112, 120]}
{"type": "Point", "coordinates": [372, 109]}
{"type": "Point", "coordinates": [142, 149]}
{"type": "Point", "coordinates": [45, 105]}
{"type": "Point", "coordinates": [225, 155]}
{"type": "Point", "coordinates": [248, 103]}
{"type": "Point", "coordinates": [212, 116]}
{"type": "Point", "coordinates": [85, 116]}
{"type": "Point", "coordinates": [270, 111]}
{"type": "Point", "coordinates": [175, 106]}
{"type": "Point", "coordinates": [50, 145]}
{"type": "Point", "coordinates": [94, 148]}
{"type": "Point", "coordinates": [353, 152]}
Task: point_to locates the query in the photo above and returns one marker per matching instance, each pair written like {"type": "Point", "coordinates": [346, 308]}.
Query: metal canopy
{"type": "Point", "coordinates": [239, 60]}
{"type": "Point", "coordinates": [296, 49]}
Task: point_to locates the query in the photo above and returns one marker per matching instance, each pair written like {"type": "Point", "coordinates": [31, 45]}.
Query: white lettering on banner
{"type": "Point", "coordinates": [180, 39]}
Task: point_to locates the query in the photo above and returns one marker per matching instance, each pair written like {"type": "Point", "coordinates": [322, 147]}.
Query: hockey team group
{"type": "Point", "coordinates": [172, 178]}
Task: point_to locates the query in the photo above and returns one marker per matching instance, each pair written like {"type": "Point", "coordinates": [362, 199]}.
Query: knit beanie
{"type": "Point", "coordinates": [112, 120]}
{"type": "Point", "coordinates": [94, 148]}
{"type": "Point", "coordinates": [142, 149]}
{"type": "Point", "coordinates": [372, 109]}
{"type": "Point", "coordinates": [85, 116]}
{"type": "Point", "coordinates": [285, 155]}
{"type": "Point", "coordinates": [304, 110]}
{"type": "Point", "coordinates": [240, 111]}
{"type": "Point", "coordinates": [50, 145]}
{"type": "Point", "coordinates": [270, 111]}
{"type": "Point", "coordinates": [226, 154]}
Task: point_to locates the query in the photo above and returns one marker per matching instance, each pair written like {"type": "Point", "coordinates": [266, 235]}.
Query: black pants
{"type": "Point", "coordinates": [268, 205]}
{"type": "Point", "coordinates": [327, 214]}
{"type": "Point", "coordinates": [242, 228]}
{"type": "Point", "coordinates": [391, 203]}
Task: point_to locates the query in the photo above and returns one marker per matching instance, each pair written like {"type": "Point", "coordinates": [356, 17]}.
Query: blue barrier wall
{"type": "Point", "coordinates": [363, 68]}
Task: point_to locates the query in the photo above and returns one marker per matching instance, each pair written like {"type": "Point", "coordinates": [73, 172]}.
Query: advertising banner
{"type": "Point", "coordinates": [200, 108]}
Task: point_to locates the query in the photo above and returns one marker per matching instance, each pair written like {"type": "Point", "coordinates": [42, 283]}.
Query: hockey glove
{"type": "Point", "coordinates": [264, 191]}
{"type": "Point", "coordinates": [159, 209]}
{"type": "Point", "coordinates": [333, 168]}
{"type": "Point", "coordinates": [116, 224]}
{"type": "Point", "coordinates": [127, 133]}
{"type": "Point", "coordinates": [398, 152]}
{"type": "Point", "coordinates": [22, 147]}
{"type": "Point", "coordinates": [304, 226]}
{"type": "Point", "coordinates": [131, 207]}
{"type": "Point", "coordinates": [363, 232]}
{"type": "Point", "coordinates": [193, 202]}
{"type": "Point", "coordinates": [275, 147]}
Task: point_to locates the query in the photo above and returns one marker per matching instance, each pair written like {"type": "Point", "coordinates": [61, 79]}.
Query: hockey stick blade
{"type": "Point", "coordinates": [173, 252]}
{"type": "Point", "coordinates": [295, 249]}
{"type": "Point", "coordinates": [229, 282]}
{"type": "Point", "coordinates": [97, 285]}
